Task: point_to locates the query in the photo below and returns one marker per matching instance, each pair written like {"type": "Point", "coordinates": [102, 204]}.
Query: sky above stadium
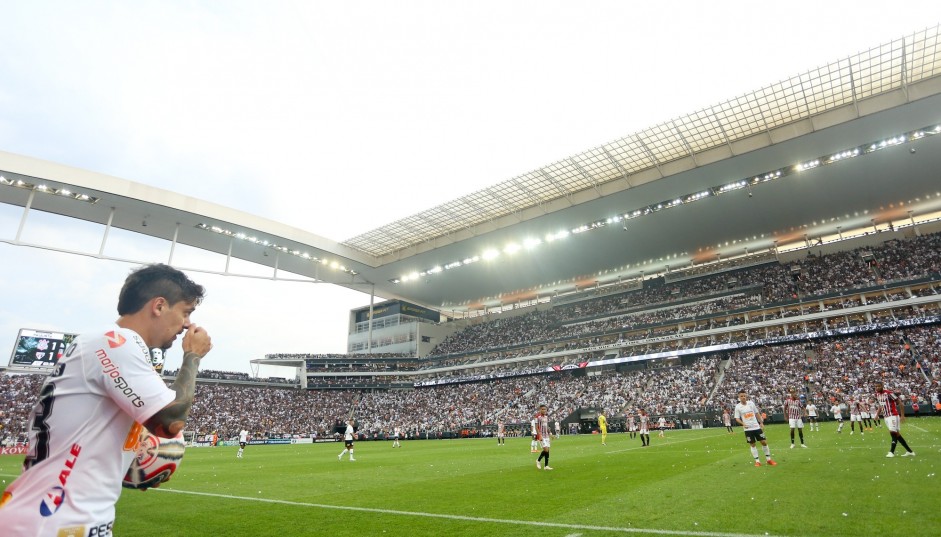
{"type": "Point", "coordinates": [339, 117]}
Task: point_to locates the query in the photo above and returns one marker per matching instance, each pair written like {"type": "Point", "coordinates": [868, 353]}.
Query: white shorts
{"type": "Point", "coordinates": [545, 442]}
{"type": "Point", "coordinates": [812, 417]}
{"type": "Point", "coordinates": [855, 417]}
{"type": "Point", "coordinates": [798, 423]}
{"type": "Point", "coordinates": [892, 423]}
{"type": "Point", "coordinates": [865, 415]}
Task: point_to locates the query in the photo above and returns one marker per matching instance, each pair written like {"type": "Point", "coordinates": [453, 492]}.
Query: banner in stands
{"type": "Point", "coordinates": [396, 307]}
{"type": "Point", "coordinates": [18, 449]}
{"type": "Point", "coordinates": [563, 367]}
{"type": "Point", "coordinates": [418, 311]}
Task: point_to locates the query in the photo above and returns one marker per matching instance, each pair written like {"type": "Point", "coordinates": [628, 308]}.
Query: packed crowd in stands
{"type": "Point", "coordinates": [831, 367]}
{"type": "Point", "coordinates": [766, 284]}
{"type": "Point", "coordinates": [827, 370]}
{"type": "Point", "coordinates": [236, 376]}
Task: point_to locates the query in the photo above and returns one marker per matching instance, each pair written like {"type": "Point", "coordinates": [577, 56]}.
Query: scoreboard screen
{"type": "Point", "coordinates": [39, 348]}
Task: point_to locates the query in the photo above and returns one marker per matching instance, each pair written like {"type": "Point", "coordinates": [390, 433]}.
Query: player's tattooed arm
{"type": "Point", "coordinates": [169, 420]}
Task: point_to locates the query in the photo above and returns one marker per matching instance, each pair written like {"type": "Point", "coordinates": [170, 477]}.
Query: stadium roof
{"type": "Point", "coordinates": [850, 145]}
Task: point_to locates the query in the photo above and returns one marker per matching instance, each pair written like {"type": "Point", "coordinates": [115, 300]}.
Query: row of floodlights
{"type": "Point", "coordinates": [532, 243]}
{"type": "Point", "coordinates": [64, 192]}
{"type": "Point", "coordinates": [277, 247]}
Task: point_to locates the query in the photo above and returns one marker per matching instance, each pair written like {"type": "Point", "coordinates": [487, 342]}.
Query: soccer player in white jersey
{"type": "Point", "coordinates": [92, 407]}
{"type": "Point", "coordinates": [396, 433]}
{"type": "Point", "coordinates": [855, 416]}
{"type": "Point", "coordinates": [243, 441]}
{"type": "Point", "coordinates": [534, 443]}
{"type": "Point", "coordinates": [558, 429]}
{"type": "Point", "coordinates": [661, 426]}
{"type": "Point", "coordinates": [631, 426]}
{"type": "Point", "coordinates": [748, 416]}
{"type": "Point", "coordinates": [644, 432]}
{"type": "Point", "coordinates": [727, 420]}
{"type": "Point", "coordinates": [542, 435]}
{"type": "Point", "coordinates": [811, 410]}
{"type": "Point", "coordinates": [837, 415]}
{"type": "Point", "coordinates": [501, 433]}
{"type": "Point", "coordinates": [792, 409]}
{"type": "Point", "coordinates": [348, 441]}
{"type": "Point", "coordinates": [890, 406]}
{"type": "Point", "coordinates": [864, 414]}
{"type": "Point", "coordinates": [874, 412]}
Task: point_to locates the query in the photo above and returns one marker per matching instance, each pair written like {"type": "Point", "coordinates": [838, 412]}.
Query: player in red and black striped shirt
{"type": "Point", "coordinates": [794, 412]}
{"type": "Point", "coordinates": [542, 435]}
{"type": "Point", "coordinates": [894, 412]}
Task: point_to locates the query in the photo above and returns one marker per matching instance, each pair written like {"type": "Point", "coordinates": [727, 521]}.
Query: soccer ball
{"type": "Point", "coordinates": [156, 460]}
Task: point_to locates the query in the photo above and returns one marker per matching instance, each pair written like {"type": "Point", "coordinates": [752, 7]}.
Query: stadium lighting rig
{"type": "Point", "coordinates": [532, 243]}
{"type": "Point", "coordinates": [335, 265]}
{"type": "Point", "coordinates": [44, 189]}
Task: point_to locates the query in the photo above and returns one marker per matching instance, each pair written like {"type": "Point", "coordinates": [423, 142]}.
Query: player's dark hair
{"type": "Point", "coordinates": [157, 280]}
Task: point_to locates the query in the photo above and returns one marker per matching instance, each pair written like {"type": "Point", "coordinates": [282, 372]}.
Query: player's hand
{"type": "Point", "coordinates": [197, 340]}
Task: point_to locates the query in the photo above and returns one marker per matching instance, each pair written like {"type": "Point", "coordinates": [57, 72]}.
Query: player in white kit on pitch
{"type": "Point", "coordinates": [243, 441]}
{"type": "Point", "coordinates": [348, 441]}
{"type": "Point", "coordinates": [811, 410]}
{"type": "Point", "coordinates": [748, 416]}
{"type": "Point", "coordinates": [87, 423]}
{"type": "Point", "coordinates": [534, 431]}
{"type": "Point", "coordinates": [837, 412]}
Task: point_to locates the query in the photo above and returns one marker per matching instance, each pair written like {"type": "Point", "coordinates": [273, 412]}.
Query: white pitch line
{"type": "Point", "coordinates": [917, 427]}
{"type": "Point", "coordinates": [464, 518]}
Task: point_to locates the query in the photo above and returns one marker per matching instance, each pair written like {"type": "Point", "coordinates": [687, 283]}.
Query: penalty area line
{"type": "Point", "coordinates": [536, 523]}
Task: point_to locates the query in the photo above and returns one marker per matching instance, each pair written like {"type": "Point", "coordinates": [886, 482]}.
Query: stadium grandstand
{"type": "Point", "coordinates": [787, 237]}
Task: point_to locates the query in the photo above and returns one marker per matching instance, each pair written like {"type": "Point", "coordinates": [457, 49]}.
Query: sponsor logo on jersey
{"type": "Point", "coordinates": [66, 472]}
{"type": "Point", "coordinates": [115, 339]}
{"type": "Point", "coordinates": [5, 498]}
{"type": "Point", "coordinates": [101, 530]}
{"type": "Point", "coordinates": [111, 369]}
{"type": "Point", "coordinates": [52, 501]}
{"type": "Point", "coordinates": [71, 531]}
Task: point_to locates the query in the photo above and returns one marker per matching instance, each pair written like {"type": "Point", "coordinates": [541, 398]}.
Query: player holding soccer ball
{"type": "Point", "coordinates": [85, 426]}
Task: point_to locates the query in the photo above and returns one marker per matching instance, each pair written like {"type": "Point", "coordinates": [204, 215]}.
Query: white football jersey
{"type": "Point", "coordinates": [748, 413]}
{"type": "Point", "coordinates": [84, 433]}
{"type": "Point", "coordinates": [348, 435]}
{"type": "Point", "coordinates": [243, 436]}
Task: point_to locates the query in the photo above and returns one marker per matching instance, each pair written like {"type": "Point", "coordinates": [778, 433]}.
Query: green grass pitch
{"type": "Point", "coordinates": [689, 483]}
